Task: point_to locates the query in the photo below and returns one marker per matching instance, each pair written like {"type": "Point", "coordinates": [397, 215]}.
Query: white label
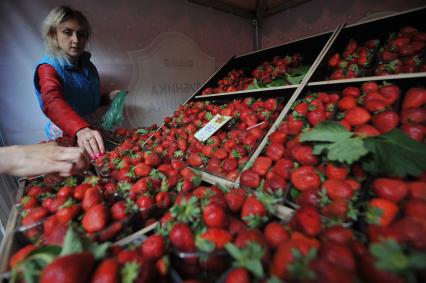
{"type": "Point", "coordinates": [211, 127]}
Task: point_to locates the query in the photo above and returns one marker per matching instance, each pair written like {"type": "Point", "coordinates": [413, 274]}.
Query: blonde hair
{"type": "Point", "coordinates": [49, 28]}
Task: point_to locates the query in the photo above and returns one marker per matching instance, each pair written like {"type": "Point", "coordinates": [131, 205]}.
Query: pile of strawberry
{"type": "Point", "coordinates": [81, 260]}
{"type": "Point", "coordinates": [288, 163]}
{"type": "Point", "coordinates": [274, 73]}
{"type": "Point", "coordinates": [234, 81]}
{"type": "Point", "coordinates": [105, 209]}
{"type": "Point", "coordinates": [404, 52]}
{"type": "Point", "coordinates": [227, 150]}
{"type": "Point", "coordinates": [284, 149]}
{"type": "Point", "coordinates": [278, 72]}
{"type": "Point", "coordinates": [354, 61]}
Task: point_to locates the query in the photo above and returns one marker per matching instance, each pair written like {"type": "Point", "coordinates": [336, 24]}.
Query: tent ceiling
{"type": "Point", "coordinates": [250, 9]}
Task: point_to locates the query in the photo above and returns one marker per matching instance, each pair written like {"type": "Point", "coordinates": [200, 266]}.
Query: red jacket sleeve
{"type": "Point", "coordinates": [54, 104]}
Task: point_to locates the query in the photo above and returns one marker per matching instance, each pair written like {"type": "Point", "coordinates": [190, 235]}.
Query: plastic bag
{"type": "Point", "coordinates": [115, 114]}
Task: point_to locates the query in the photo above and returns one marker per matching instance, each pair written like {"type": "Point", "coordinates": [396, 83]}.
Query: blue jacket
{"type": "Point", "coordinates": [81, 88]}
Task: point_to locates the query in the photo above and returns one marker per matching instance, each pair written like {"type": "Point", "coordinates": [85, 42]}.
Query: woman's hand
{"type": "Point", "coordinates": [91, 141]}
{"type": "Point", "coordinates": [31, 160]}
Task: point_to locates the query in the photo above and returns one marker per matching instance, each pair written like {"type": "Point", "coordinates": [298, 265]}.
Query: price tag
{"type": "Point", "coordinates": [211, 127]}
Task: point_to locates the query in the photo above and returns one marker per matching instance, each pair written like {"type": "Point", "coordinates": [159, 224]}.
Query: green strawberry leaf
{"type": "Point", "coordinates": [390, 257]}
{"type": "Point", "coordinates": [72, 243]}
{"type": "Point", "coordinates": [130, 272]}
{"type": "Point", "coordinates": [395, 154]}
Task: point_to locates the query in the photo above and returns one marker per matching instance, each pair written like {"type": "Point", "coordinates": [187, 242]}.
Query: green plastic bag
{"type": "Point", "coordinates": [115, 114]}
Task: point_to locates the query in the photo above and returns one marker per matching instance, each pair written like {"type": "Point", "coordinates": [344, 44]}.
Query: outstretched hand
{"type": "Point", "coordinates": [31, 160]}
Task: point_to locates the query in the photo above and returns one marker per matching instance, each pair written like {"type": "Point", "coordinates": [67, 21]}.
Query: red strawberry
{"type": "Point", "coordinates": [275, 234]}
{"type": "Point", "coordinates": [337, 189]}
{"type": "Point", "coordinates": [142, 169]}
{"type": "Point", "coordinates": [357, 116]}
{"type": "Point", "coordinates": [415, 208]}
{"type": "Point", "coordinates": [381, 211]}
{"type": "Point", "coordinates": [346, 103]}
{"type": "Point", "coordinates": [278, 137]}
{"type": "Point", "coordinates": [386, 121]}
{"type": "Point", "coordinates": [214, 216]}
{"type": "Point", "coordinates": [308, 221]}
{"type": "Point", "coordinates": [305, 178]}
{"type": "Point", "coordinates": [91, 198]}
{"type": "Point", "coordinates": [108, 271]}
{"type": "Point", "coordinates": [152, 159]}
{"type": "Point", "coordinates": [68, 213]}
{"type": "Point", "coordinates": [218, 236]}
{"type": "Point", "coordinates": [235, 199]}
{"type": "Point", "coordinates": [366, 130]}
{"type": "Point", "coordinates": [337, 209]}
{"type": "Point", "coordinates": [250, 179]}
{"type": "Point", "coordinates": [351, 91]}
{"type": "Point", "coordinates": [20, 255]}
{"type": "Point", "coordinates": [238, 275]}
{"type": "Point", "coordinates": [414, 97]}
{"type": "Point", "coordinates": [337, 234]}
{"type": "Point", "coordinates": [304, 155]}
{"type": "Point", "coordinates": [275, 151]}
{"type": "Point", "coordinates": [390, 189]}
{"type": "Point", "coordinates": [261, 165]}
{"type": "Point", "coordinates": [390, 93]}
{"type": "Point", "coordinates": [253, 211]}
{"type": "Point", "coordinates": [334, 60]}
{"type": "Point", "coordinates": [283, 168]}
{"type": "Point", "coordinates": [369, 87]}
{"type": "Point", "coordinates": [95, 219]}
{"type": "Point", "coordinates": [69, 269]}
{"type": "Point", "coordinates": [333, 171]}
{"type": "Point", "coordinates": [416, 132]}
{"type": "Point", "coordinates": [339, 255]}
{"type": "Point", "coordinates": [417, 190]}
{"type": "Point", "coordinates": [316, 116]}
{"type": "Point", "coordinates": [182, 238]}
{"type": "Point", "coordinates": [153, 247]}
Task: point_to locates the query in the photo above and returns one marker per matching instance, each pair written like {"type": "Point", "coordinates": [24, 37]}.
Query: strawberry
{"type": "Point", "coordinates": [414, 97]}
{"type": "Point", "coordinates": [381, 211]}
{"type": "Point", "coordinates": [250, 179]}
{"type": "Point", "coordinates": [417, 190]}
{"type": "Point", "coordinates": [337, 209]}
{"type": "Point", "coordinates": [334, 171]}
{"type": "Point", "coordinates": [307, 220]}
{"type": "Point", "coordinates": [339, 255]}
{"type": "Point", "coordinates": [351, 91]}
{"type": "Point", "coordinates": [337, 189]}
{"type": "Point", "coordinates": [107, 271]}
{"type": "Point", "coordinates": [95, 219]}
{"type": "Point", "coordinates": [416, 132]}
{"type": "Point", "coordinates": [253, 211]}
{"type": "Point", "coordinates": [346, 103]}
{"type": "Point", "coordinates": [80, 191]}
{"type": "Point", "coordinates": [152, 159]}
{"type": "Point", "coordinates": [304, 155]}
{"type": "Point", "coordinates": [229, 164]}
{"type": "Point", "coordinates": [337, 234]}
{"type": "Point", "coordinates": [278, 137]}
{"type": "Point", "coordinates": [413, 115]}
{"type": "Point", "coordinates": [70, 268]}
{"type": "Point", "coordinates": [235, 199]}
{"type": "Point", "coordinates": [28, 202]}
{"type": "Point", "coordinates": [390, 93]}
{"type": "Point", "coordinates": [154, 247]}
{"type": "Point", "coordinates": [305, 178]}
{"type": "Point", "coordinates": [275, 234]}
{"type": "Point", "coordinates": [390, 189]}
{"type": "Point", "coordinates": [386, 121]}
{"type": "Point", "coordinates": [119, 210]}
{"type": "Point", "coordinates": [316, 116]}
{"type": "Point", "coordinates": [283, 168]}
{"type": "Point", "coordinates": [218, 236]}
{"type": "Point", "coordinates": [182, 238]}
{"type": "Point", "coordinates": [366, 130]}
{"type": "Point", "coordinates": [415, 208]}
{"type": "Point", "coordinates": [275, 151]}
{"type": "Point", "coordinates": [214, 216]}
{"type": "Point", "coordinates": [238, 275]}
{"type": "Point", "coordinates": [357, 116]}
{"type": "Point", "coordinates": [91, 198]}
{"type": "Point", "coordinates": [261, 165]}
{"type": "Point", "coordinates": [334, 60]}
{"type": "Point", "coordinates": [112, 230]}
{"type": "Point", "coordinates": [195, 160]}
{"type": "Point", "coordinates": [68, 213]}
{"type": "Point", "coordinates": [142, 169]}
{"type": "Point", "coordinates": [21, 254]}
